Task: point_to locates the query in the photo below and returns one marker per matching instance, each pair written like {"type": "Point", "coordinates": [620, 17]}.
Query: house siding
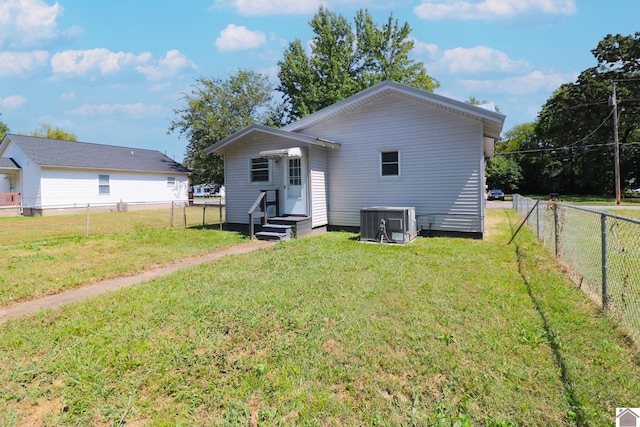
{"type": "Point", "coordinates": [70, 187]}
{"type": "Point", "coordinates": [240, 192]}
{"type": "Point", "coordinates": [318, 175]}
{"type": "Point", "coordinates": [28, 183]}
{"type": "Point", "coordinates": [440, 164]}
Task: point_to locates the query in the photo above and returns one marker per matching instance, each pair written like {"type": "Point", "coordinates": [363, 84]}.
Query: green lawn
{"type": "Point", "coordinates": [330, 331]}
{"type": "Point", "coordinates": [62, 224]}
{"type": "Point", "coordinates": [35, 269]}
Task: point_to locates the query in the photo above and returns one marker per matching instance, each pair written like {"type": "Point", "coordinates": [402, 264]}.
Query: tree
{"type": "Point", "coordinates": [576, 125]}
{"type": "Point", "coordinates": [47, 131]}
{"type": "Point", "coordinates": [522, 146]}
{"type": "Point", "coordinates": [503, 172]}
{"type": "Point", "coordinates": [344, 61]}
{"type": "Point", "coordinates": [217, 108]}
{"type": "Point", "coordinates": [4, 129]}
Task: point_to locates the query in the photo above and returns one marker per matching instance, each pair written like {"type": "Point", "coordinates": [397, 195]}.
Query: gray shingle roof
{"type": "Point", "coordinates": [8, 164]}
{"type": "Point", "coordinates": [58, 153]}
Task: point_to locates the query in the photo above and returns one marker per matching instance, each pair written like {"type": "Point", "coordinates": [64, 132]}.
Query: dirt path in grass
{"type": "Point", "coordinates": [84, 292]}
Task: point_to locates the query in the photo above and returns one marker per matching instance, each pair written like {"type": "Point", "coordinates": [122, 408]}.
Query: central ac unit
{"type": "Point", "coordinates": [388, 224]}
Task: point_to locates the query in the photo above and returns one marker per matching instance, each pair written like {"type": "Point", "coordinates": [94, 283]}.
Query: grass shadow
{"type": "Point", "coordinates": [577, 415]}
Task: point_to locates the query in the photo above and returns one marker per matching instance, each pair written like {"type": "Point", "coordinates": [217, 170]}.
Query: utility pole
{"type": "Point", "coordinates": [614, 104]}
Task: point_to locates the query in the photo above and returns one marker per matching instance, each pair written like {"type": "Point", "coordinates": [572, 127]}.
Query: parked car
{"type": "Point", "coordinates": [495, 195]}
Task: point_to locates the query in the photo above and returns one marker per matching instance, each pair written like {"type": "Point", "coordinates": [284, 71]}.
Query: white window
{"type": "Point", "coordinates": [171, 181]}
{"type": "Point", "coordinates": [260, 171]}
{"type": "Point", "coordinates": [390, 163]}
{"type": "Point", "coordinates": [103, 184]}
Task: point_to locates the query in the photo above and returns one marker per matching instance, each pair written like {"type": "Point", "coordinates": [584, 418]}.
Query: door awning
{"type": "Point", "coordinates": [283, 152]}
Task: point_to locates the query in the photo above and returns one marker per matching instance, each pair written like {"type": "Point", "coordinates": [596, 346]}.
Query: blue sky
{"type": "Point", "coordinates": [112, 72]}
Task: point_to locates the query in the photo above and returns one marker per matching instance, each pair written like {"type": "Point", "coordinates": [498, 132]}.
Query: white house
{"type": "Point", "coordinates": [51, 173]}
{"type": "Point", "coordinates": [389, 145]}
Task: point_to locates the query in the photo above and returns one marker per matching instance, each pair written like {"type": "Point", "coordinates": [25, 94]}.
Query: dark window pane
{"type": "Point", "coordinates": [389, 163]}
{"type": "Point", "coordinates": [390, 157]}
{"type": "Point", "coordinates": [389, 169]}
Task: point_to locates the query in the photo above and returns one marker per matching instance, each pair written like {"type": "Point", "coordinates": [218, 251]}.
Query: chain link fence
{"type": "Point", "coordinates": [600, 250]}
{"type": "Point", "coordinates": [30, 224]}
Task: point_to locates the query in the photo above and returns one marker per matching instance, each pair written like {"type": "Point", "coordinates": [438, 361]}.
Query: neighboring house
{"type": "Point", "coordinates": [389, 145]}
{"type": "Point", "coordinates": [55, 173]}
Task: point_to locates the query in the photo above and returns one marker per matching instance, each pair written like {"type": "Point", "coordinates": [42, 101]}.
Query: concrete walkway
{"type": "Point", "coordinates": [89, 291]}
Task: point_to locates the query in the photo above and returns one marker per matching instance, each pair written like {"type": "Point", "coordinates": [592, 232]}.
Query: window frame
{"type": "Point", "coordinates": [102, 186]}
{"type": "Point", "coordinates": [382, 163]}
{"type": "Point", "coordinates": [171, 181]}
{"type": "Point", "coordinates": [252, 170]}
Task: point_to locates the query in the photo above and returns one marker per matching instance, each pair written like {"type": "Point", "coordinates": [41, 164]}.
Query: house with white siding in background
{"type": "Point", "coordinates": [52, 174]}
{"type": "Point", "coordinates": [389, 145]}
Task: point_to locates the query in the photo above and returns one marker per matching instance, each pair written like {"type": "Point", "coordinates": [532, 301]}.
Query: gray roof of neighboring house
{"type": "Point", "coordinates": [71, 154]}
{"type": "Point", "coordinates": [8, 164]}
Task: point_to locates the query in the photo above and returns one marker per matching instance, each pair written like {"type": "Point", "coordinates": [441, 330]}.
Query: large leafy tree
{"type": "Point", "coordinates": [575, 125]}
{"type": "Point", "coordinates": [216, 108]}
{"type": "Point", "coordinates": [344, 60]}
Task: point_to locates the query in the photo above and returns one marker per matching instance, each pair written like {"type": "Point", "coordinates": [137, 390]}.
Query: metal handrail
{"type": "Point", "coordinates": [260, 201]}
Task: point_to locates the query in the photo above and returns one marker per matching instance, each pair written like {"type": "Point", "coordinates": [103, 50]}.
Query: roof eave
{"type": "Point", "coordinates": [255, 128]}
{"type": "Point", "coordinates": [164, 172]}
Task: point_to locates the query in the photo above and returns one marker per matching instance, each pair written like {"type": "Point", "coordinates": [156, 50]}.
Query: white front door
{"type": "Point", "coordinates": [295, 191]}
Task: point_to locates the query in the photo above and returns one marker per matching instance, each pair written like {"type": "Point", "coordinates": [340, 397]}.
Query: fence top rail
{"type": "Point", "coordinates": [591, 210]}
{"type": "Point", "coordinates": [601, 212]}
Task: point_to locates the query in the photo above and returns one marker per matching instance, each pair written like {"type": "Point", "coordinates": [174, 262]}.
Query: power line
{"type": "Point", "coordinates": [564, 147]}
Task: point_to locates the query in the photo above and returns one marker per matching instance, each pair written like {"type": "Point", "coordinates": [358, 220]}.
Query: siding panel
{"type": "Point", "coordinates": [72, 186]}
{"type": "Point", "coordinates": [318, 168]}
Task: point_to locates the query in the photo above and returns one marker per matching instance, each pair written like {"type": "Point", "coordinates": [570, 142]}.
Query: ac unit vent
{"type": "Point", "coordinates": [388, 224]}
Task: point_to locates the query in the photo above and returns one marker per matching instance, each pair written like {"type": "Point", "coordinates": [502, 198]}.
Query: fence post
{"type": "Point", "coordinates": [204, 210]}
{"type": "Point", "coordinates": [538, 222]}
{"type": "Point", "coordinates": [184, 215]}
{"type": "Point", "coordinates": [603, 227]}
{"type": "Point", "coordinates": [172, 214]}
{"type": "Point", "coordinates": [87, 230]}
{"type": "Point", "coordinates": [220, 213]}
{"type": "Point", "coordinates": [556, 224]}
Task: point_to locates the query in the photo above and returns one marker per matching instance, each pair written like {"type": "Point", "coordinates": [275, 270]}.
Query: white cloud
{"type": "Point", "coordinates": [137, 109]}
{"type": "Point", "coordinates": [19, 64]}
{"type": "Point", "coordinates": [465, 10]}
{"type": "Point", "coordinates": [271, 7]}
{"type": "Point", "coordinates": [477, 59]}
{"type": "Point", "coordinates": [12, 102]}
{"type": "Point", "coordinates": [234, 38]}
{"type": "Point", "coordinates": [429, 49]}
{"type": "Point", "coordinates": [167, 67]}
{"type": "Point", "coordinates": [534, 82]}
{"type": "Point", "coordinates": [29, 22]}
{"type": "Point", "coordinates": [83, 62]}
